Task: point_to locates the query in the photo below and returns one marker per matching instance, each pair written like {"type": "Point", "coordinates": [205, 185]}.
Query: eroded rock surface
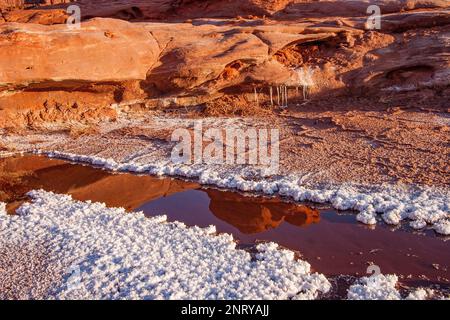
{"type": "Point", "coordinates": [187, 53]}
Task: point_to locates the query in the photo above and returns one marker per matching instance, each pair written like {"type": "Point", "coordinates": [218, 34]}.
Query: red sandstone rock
{"type": "Point", "coordinates": [280, 9]}
{"type": "Point", "coordinates": [18, 4]}
{"type": "Point", "coordinates": [11, 4]}
{"type": "Point", "coordinates": [101, 50]}
{"type": "Point", "coordinates": [113, 61]}
{"type": "Point", "coordinates": [47, 68]}
{"type": "Point", "coordinates": [47, 17]}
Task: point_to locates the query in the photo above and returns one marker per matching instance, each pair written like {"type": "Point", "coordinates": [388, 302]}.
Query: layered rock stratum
{"type": "Point", "coordinates": [160, 54]}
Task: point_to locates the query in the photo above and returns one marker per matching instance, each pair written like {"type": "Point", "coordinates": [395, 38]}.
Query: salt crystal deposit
{"type": "Point", "coordinates": [106, 253]}
{"type": "Point", "coordinates": [393, 204]}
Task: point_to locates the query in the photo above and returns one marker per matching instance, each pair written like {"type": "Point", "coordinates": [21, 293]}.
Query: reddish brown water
{"type": "Point", "coordinates": [334, 243]}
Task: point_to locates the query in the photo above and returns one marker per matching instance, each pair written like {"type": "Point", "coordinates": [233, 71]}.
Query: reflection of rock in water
{"type": "Point", "coordinates": [248, 214]}
{"type": "Point", "coordinates": [253, 215]}
{"type": "Point", "coordinates": [82, 182]}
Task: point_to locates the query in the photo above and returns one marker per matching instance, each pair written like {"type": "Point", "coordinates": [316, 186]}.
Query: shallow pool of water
{"type": "Point", "coordinates": [333, 242]}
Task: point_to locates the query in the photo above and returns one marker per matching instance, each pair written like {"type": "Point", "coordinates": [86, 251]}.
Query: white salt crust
{"type": "Point", "coordinates": [383, 287]}
{"type": "Point", "coordinates": [106, 253]}
{"type": "Point", "coordinates": [422, 206]}
{"type": "Point", "coordinates": [442, 226]}
{"type": "Point", "coordinates": [376, 287]}
{"type": "Point", "coordinates": [420, 294]}
{"type": "Point", "coordinates": [95, 252]}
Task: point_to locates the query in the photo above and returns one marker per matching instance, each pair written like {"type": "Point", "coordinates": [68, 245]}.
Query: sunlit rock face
{"type": "Point", "coordinates": [52, 73]}
{"type": "Point", "coordinates": [11, 4]}
{"type": "Point", "coordinates": [20, 4]}
{"type": "Point", "coordinates": [196, 52]}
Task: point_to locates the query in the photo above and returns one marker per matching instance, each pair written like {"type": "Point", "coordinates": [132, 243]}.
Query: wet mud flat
{"type": "Point", "coordinates": [333, 242]}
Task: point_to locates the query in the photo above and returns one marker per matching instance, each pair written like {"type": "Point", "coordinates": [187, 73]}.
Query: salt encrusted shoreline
{"type": "Point", "coordinates": [422, 206]}
{"type": "Point", "coordinates": [376, 287]}
{"type": "Point", "coordinates": [105, 253]}
{"type": "Point", "coordinates": [95, 252]}
{"type": "Point", "coordinates": [383, 287]}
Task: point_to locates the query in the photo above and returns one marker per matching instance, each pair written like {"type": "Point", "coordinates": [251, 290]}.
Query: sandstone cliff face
{"type": "Point", "coordinates": [101, 50]}
{"type": "Point", "coordinates": [76, 72]}
{"type": "Point", "coordinates": [11, 4]}
{"type": "Point", "coordinates": [49, 72]}
{"type": "Point", "coordinates": [19, 4]}
{"type": "Point", "coordinates": [47, 17]}
{"type": "Point", "coordinates": [177, 10]}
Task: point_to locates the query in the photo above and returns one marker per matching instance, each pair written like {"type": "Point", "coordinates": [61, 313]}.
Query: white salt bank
{"type": "Point", "coordinates": [106, 253]}
{"type": "Point", "coordinates": [421, 206]}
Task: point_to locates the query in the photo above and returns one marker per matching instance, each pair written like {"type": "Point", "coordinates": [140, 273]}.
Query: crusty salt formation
{"type": "Point", "coordinates": [376, 287]}
{"type": "Point", "coordinates": [384, 287]}
{"type": "Point", "coordinates": [422, 206]}
{"type": "Point", "coordinates": [106, 253]}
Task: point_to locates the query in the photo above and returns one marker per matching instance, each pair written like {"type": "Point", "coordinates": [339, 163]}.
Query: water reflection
{"type": "Point", "coordinates": [19, 175]}
{"type": "Point", "coordinates": [249, 215]}
{"type": "Point", "coordinates": [333, 243]}
{"type": "Point", "coordinates": [254, 214]}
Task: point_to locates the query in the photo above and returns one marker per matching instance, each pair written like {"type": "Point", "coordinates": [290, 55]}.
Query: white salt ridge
{"type": "Point", "coordinates": [110, 254]}
{"type": "Point", "coordinates": [424, 205]}
{"type": "Point", "coordinates": [418, 224]}
{"type": "Point", "coordinates": [420, 294]}
{"type": "Point", "coordinates": [383, 287]}
{"type": "Point", "coordinates": [442, 227]}
{"type": "Point", "coordinates": [375, 287]}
